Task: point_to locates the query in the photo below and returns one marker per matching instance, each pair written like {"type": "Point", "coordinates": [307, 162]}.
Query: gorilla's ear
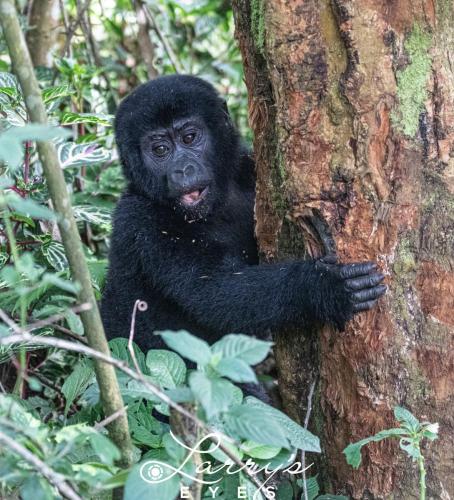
{"type": "Point", "coordinates": [225, 109]}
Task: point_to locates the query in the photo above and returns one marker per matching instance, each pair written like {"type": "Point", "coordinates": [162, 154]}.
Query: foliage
{"type": "Point", "coordinates": [53, 406]}
{"type": "Point", "coordinates": [410, 433]}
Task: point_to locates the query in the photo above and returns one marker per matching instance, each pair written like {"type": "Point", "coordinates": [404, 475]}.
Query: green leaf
{"type": "Point", "coordinates": [236, 370]}
{"type": "Point", "coordinates": [353, 451]}
{"type": "Point", "coordinates": [76, 383]}
{"type": "Point", "coordinates": [411, 448]}
{"type": "Point", "coordinates": [119, 349]}
{"type": "Point", "coordinates": [298, 436]}
{"type": "Point", "coordinates": [54, 253]}
{"type": "Point", "coordinates": [188, 346]}
{"type": "Point", "coordinates": [73, 155]}
{"type": "Point", "coordinates": [53, 93]}
{"type": "Point", "coordinates": [92, 215]}
{"type": "Point", "coordinates": [244, 347]}
{"type": "Point", "coordinates": [28, 207]}
{"type": "Point", "coordinates": [404, 416]}
{"type": "Point", "coordinates": [214, 394]}
{"type": "Point", "coordinates": [249, 422]}
{"type": "Point", "coordinates": [166, 368]}
{"type": "Point", "coordinates": [70, 118]}
{"type": "Point", "coordinates": [312, 487]}
{"type": "Point", "coordinates": [256, 450]}
{"type": "Point", "coordinates": [142, 485]}
{"type": "Point", "coordinates": [8, 80]}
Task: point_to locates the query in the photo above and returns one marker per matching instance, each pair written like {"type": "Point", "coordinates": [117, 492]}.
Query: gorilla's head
{"type": "Point", "coordinates": [177, 144]}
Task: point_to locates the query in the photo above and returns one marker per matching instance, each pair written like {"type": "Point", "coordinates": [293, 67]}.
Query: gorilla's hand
{"type": "Point", "coordinates": [353, 288]}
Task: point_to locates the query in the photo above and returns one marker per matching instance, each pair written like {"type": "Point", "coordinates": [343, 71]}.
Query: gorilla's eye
{"type": "Point", "coordinates": [160, 150]}
{"type": "Point", "coordinates": [189, 138]}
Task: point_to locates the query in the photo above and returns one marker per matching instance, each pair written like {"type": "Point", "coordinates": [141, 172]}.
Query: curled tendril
{"type": "Point", "coordinates": [142, 305]}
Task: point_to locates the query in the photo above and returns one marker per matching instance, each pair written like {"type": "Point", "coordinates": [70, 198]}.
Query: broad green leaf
{"type": "Point", "coordinates": [285, 491]}
{"type": "Point", "coordinates": [119, 349]}
{"type": "Point", "coordinates": [244, 347]}
{"type": "Point", "coordinates": [256, 450]}
{"type": "Point", "coordinates": [135, 390]}
{"type": "Point", "coordinates": [404, 416]}
{"type": "Point", "coordinates": [252, 423]}
{"type": "Point", "coordinates": [151, 479]}
{"type": "Point", "coordinates": [76, 383]}
{"type": "Point", "coordinates": [353, 451]}
{"type": "Point", "coordinates": [298, 436]}
{"type": "Point", "coordinates": [312, 487]}
{"type": "Point", "coordinates": [411, 448]}
{"type": "Point", "coordinates": [214, 394]}
{"type": "Point", "coordinates": [188, 346]}
{"type": "Point", "coordinates": [236, 370]}
{"type": "Point", "coordinates": [16, 411]}
{"type": "Point", "coordinates": [166, 368]}
{"type": "Point", "coordinates": [27, 206]}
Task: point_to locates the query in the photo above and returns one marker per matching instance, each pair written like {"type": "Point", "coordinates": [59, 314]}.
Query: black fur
{"type": "Point", "coordinates": [197, 267]}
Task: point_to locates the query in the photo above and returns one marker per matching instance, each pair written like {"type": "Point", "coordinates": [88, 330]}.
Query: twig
{"type": "Point", "coordinates": [306, 423]}
{"type": "Point", "coordinates": [69, 333]}
{"type": "Point", "coordinates": [53, 477]}
{"type": "Point", "coordinates": [167, 47]}
{"type": "Point", "coordinates": [110, 418]}
{"type": "Point", "coordinates": [141, 306]}
{"type": "Point", "coordinates": [24, 336]}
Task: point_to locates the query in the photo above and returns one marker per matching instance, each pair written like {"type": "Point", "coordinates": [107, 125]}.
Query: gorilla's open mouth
{"type": "Point", "coordinates": [194, 197]}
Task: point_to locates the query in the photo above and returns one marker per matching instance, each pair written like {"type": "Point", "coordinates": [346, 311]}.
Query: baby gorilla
{"type": "Point", "coordinates": [183, 231]}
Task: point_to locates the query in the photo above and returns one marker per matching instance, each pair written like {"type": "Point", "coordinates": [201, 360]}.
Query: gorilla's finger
{"type": "Point", "coordinates": [369, 294]}
{"type": "Point", "coordinates": [364, 306]}
{"type": "Point", "coordinates": [357, 269]}
{"type": "Point", "coordinates": [364, 282]}
{"type": "Point", "coordinates": [329, 259]}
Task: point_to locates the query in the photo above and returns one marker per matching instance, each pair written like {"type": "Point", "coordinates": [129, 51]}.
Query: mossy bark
{"type": "Point", "coordinates": [352, 107]}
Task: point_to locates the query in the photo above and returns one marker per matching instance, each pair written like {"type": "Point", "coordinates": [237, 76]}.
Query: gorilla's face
{"type": "Point", "coordinates": [178, 145]}
{"type": "Point", "coordinates": [181, 160]}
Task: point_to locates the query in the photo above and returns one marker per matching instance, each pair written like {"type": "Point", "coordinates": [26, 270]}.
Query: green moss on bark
{"type": "Point", "coordinates": [258, 24]}
{"type": "Point", "coordinates": [412, 82]}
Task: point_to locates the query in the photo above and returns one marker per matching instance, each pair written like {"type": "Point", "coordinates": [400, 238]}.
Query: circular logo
{"type": "Point", "coordinates": [151, 472]}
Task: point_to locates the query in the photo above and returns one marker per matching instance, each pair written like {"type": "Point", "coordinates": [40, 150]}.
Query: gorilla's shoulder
{"type": "Point", "coordinates": [133, 212]}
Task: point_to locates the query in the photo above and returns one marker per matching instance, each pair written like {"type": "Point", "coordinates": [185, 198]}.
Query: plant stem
{"type": "Point", "coordinates": [111, 398]}
{"type": "Point", "coordinates": [18, 386]}
{"type": "Point", "coordinates": [422, 477]}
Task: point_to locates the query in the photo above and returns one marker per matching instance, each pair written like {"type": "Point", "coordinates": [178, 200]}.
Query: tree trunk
{"type": "Point", "coordinates": [352, 107]}
{"type": "Point", "coordinates": [43, 21]}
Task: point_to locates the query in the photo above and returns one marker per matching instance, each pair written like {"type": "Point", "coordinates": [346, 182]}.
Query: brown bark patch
{"type": "Point", "coordinates": [436, 292]}
{"type": "Point", "coordinates": [438, 366]}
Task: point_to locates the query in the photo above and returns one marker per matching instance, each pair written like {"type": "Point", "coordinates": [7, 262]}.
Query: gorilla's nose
{"type": "Point", "coordinates": [186, 172]}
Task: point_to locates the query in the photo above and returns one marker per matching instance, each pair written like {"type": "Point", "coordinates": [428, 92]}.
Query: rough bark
{"type": "Point", "coordinates": [352, 107]}
{"type": "Point", "coordinates": [43, 21]}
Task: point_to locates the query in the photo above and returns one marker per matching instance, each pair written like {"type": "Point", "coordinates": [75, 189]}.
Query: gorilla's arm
{"type": "Point", "coordinates": [251, 299]}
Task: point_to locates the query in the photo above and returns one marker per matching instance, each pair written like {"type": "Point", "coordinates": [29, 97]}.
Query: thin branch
{"type": "Point", "coordinates": [306, 423]}
{"type": "Point", "coordinates": [69, 333]}
{"type": "Point", "coordinates": [104, 423]}
{"type": "Point", "coordinates": [53, 477]}
{"type": "Point", "coordinates": [167, 47]}
{"type": "Point", "coordinates": [152, 388]}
